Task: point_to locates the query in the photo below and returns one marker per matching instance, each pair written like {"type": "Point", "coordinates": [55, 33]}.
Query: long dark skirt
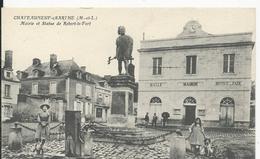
{"type": "Point", "coordinates": [42, 132]}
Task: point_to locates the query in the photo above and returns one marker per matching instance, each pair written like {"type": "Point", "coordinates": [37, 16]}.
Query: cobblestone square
{"type": "Point", "coordinates": [237, 138]}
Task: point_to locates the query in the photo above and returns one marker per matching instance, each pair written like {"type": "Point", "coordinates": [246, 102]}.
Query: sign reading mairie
{"type": "Point", "coordinates": [190, 83]}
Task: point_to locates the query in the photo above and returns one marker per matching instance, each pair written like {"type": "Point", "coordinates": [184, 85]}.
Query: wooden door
{"type": "Point", "coordinates": [226, 116]}
{"type": "Point", "coordinates": [189, 114]}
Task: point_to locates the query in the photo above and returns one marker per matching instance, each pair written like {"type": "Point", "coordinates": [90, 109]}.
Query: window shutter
{"type": "Point", "coordinates": [194, 62]}
{"type": "Point", "coordinates": [225, 64]}
{"type": "Point", "coordinates": [154, 66]}
{"type": "Point", "coordinates": [187, 64]}
{"type": "Point", "coordinates": [232, 62]}
{"type": "Point", "coordinates": [159, 66]}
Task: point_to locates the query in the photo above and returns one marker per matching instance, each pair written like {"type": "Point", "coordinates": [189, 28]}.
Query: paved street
{"type": "Point", "coordinates": [155, 151]}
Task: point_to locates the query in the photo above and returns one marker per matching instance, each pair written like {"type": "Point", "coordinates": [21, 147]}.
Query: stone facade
{"type": "Point", "coordinates": [103, 101]}
{"type": "Point", "coordinates": [10, 86]}
{"type": "Point", "coordinates": [219, 97]}
{"type": "Point", "coordinates": [64, 84]}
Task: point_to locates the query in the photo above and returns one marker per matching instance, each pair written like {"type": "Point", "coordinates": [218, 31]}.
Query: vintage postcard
{"type": "Point", "coordinates": [128, 83]}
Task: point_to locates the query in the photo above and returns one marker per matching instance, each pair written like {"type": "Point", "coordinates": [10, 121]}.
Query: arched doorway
{"type": "Point", "coordinates": [156, 106]}
{"type": "Point", "coordinates": [190, 110]}
{"type": "Point", "coordinates": [227, 112]}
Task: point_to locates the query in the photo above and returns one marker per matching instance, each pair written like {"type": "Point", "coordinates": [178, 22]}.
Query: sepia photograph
{"type": "Point", "coordinates": [128, 83]}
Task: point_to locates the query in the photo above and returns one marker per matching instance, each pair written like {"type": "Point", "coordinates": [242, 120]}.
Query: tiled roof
{"type": "Point", "coordinates": [65, 67]}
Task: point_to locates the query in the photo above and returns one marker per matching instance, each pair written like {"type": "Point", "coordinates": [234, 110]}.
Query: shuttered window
{"type": "Point", "coordinates": [34, 88]}
{"type": "Point", "coordinates": [157, 66]}
{"type": "Point", "coordinates": [53, 87]}
{"type": "Point", "coordinates": [191, 63]}
{"type": "Point", "coordinates": [7, 90]}
{"type": "Point", "coordinates": [229, 62]}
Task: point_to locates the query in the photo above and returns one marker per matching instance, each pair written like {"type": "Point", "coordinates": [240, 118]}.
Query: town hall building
{"type": "Point", "coordinates": [197, 74]}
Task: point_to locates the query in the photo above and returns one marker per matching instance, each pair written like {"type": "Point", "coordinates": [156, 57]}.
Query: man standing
{"type": "Point", "coordinates": [154, 120]}
{"type": "Point", "coordinates": [124, 48]}
{"type": "Point", "coordinates": [146, 119]}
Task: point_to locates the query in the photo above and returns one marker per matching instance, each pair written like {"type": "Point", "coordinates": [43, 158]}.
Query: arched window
{"type": "Point", "coordinates": [155, 100]}
{"type": "Point", "coordinates": [227, 101]}
{"type": "Point", "coordinates": [189, 101]}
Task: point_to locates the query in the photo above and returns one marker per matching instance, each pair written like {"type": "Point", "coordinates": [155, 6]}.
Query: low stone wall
{"type": "Point", "coordinates": [27, 135]}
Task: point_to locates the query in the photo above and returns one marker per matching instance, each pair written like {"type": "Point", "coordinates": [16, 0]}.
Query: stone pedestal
{"type": "Point", "coordinates": [122, 111]}
{"type": "Point", "coordinates": [177, 147]}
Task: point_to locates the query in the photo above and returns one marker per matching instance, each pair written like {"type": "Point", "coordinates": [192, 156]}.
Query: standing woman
{"type": "Point", "coordinates": [197, 136]}
{"type": "Point", "coordinates": [146, 119]}
{"type": "Point", "coordinates": [43, 128]}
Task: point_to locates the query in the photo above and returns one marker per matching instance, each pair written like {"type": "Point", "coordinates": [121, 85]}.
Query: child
{"type": "Point", "coordinates": [197, 137]}
{"type": "Point", "coordinates": [208, 147]}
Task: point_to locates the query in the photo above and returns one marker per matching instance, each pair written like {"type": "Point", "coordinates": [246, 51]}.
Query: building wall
{"type": "Point", "coordinates": [14, 91]}
{"type": "Point", "coordinates": [44, 85]}
{"type": "Point", "coordinates": [30, 105]}
{"type": "Point", "coordinates": [103, 100]}
{"type": "Point", "coordinates": [209, 63]}
{"type": "Point", "coordinates": [212, 85]}
{"type": "Point", "coordinates": [8, 104]}
{"type": "Point", "coordinates": [80, 103]}
{"type": "Point", "coordinates": [208, 101]}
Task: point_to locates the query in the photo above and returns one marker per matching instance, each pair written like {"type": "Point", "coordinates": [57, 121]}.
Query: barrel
{"type": "Point", "coordinates": [15, 138]}
{"type": "Point", "coordinates": [177, 147]}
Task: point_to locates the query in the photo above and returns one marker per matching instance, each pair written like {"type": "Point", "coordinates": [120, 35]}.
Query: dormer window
{"type": "Point", "coordinates": [100, 98]}
{"type": "Point", "coordinates": [21, 74]}
{"type": "Point", "coordinates": [87, 77]}
{"type": "Point", "coordinates": [79, 74]}
{"type": "Point", "coordinates": [105, 84]}
{"type": "Point", "coordinates": [35, 73]}
{"type": "Point", "coordinates": [54, 72]}
{"type": "Point", "coordinates": [8, 74]}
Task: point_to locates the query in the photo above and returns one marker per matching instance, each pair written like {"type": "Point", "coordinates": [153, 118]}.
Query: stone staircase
{"type": "Point", "coordinates": [135, 136]}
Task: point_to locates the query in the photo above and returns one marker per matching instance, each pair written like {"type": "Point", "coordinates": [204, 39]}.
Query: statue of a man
{"type": "Point", "coordinates": [124, 48]}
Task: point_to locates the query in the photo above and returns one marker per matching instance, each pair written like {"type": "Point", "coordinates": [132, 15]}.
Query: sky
{"type": "Point", "coordinates": [91, 45]}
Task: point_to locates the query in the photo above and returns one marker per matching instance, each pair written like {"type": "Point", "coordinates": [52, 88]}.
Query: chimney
{"type": "Point", "coordinates": [53, 60]}
{"type": "Point", "coordinates": [8, 59]}
{"type": "Point", "coordinates": [83, 68]}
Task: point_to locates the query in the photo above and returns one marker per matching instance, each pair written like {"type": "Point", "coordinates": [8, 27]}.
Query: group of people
{"type": "Point", "coordinates": [154, 120]}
